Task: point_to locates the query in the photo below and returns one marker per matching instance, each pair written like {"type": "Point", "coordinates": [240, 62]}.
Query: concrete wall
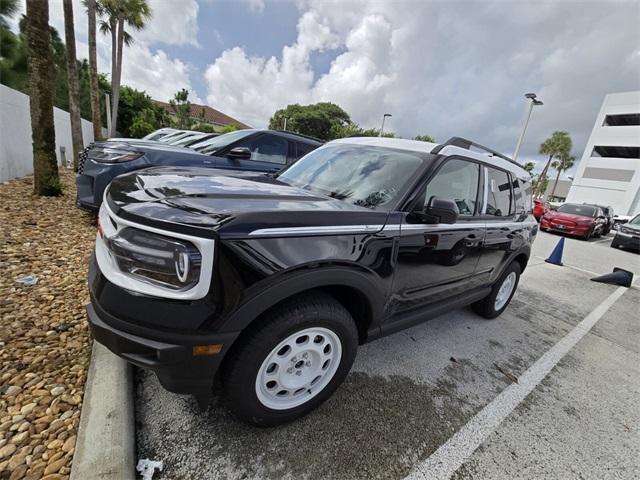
{"type": "Point", "coordinates": [16, 154]}
{"type": "Point", "coordinates": [623, 196]}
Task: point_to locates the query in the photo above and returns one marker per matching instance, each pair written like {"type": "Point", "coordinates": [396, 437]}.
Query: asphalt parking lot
{"type": "Point", "coordinates": [457, 397]}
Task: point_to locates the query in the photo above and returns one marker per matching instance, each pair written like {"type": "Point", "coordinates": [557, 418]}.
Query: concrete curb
{"type": "Point", "coordinates": [105, 448]}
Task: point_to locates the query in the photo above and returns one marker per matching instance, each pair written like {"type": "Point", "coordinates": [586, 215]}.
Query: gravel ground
{"type": "Point", "coordinates": [44, 339]}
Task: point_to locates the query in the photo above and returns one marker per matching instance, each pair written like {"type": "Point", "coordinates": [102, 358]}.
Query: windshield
{"type": "Point", "coordinates": [582, 210]}
{"type": "Point", "coordinates": [635, 220]}
{"type": "Point", "coordinates": [214, 144]}
{"type": "Point", "coordinates": [365, 176]}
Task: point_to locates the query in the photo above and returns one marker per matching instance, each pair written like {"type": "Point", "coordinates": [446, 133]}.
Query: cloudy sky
{"type": "Point", "coordinates": [439, 67]}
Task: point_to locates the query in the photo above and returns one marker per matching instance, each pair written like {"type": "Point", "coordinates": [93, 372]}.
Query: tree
{"type": "Point", "coordinates": [134, 14]}
{"type": "Point", "coordinates": [104, 87]}
{"type": "Point", "coordinates": [559, 143]}
{"type": "Point", "coordinates": [321, 120]}
{"type": "Point", "coordinates": [9, 41]}
{"type": "Point", "coordinates": [40, 71]}
{"type": "Point", "coordinates": [565, 162]}
{"type": "Point", "coordinates": [93, 71]}
{"type": "Point", "coordinates": [529, 166]}
{"type": "Point", "coordinates": [72, 81]}
{"type": "Point", "coordinates": [143, 124]}
{"type": "Point", "coordinates": [181, 107]}
{"type": "Point", "coordinates": [230, 127]}
{"type": "Point", "coordinates": [425, 138]}
{"type": "Point", "coordinates": [203, 127]}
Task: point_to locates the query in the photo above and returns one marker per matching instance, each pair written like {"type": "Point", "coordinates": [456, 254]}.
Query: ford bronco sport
{"type": "Point", "coordinates": [272, 281]}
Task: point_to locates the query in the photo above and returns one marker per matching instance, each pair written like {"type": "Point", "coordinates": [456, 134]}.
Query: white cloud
{"type": "Point", "coordinates": [144, 67]}
{"type": "Point", "coordinates": [445, 68]}
{"type": "Point", "coordinates": [172, 23]}
{"type": "Point", "coordinates": [267, 83]}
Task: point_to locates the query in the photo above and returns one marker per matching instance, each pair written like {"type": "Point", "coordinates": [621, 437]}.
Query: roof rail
{"type": "Point", "coordinates": [300, 135]}
{"type": "Point", "coordinates": [467, 144]}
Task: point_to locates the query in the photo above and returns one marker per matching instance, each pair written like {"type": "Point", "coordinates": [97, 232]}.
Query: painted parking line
{"type": "Point", "coordinates": [445, 461]}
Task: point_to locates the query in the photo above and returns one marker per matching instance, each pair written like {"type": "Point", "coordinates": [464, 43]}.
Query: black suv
{"type": "Point", "coordinates": [274, 280]}
{"type": "Point", "coordinates": [254, 150]}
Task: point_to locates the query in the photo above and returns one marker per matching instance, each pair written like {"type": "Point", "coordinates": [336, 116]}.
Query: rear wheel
{"type": "Point", "coordinates": [501, 293]}
{"type": "Point", "coordinates": [291, 362]}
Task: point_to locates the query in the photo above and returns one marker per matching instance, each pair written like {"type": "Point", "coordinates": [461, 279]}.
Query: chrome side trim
{"type": "Point", "coordinates": [442, 226]}
{"type": "Point", "coordinates": [110, 269]}
{"type": "Point", "coordinates": [316, 230]}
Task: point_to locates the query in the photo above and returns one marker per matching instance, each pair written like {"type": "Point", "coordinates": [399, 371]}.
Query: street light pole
{"type": "Point", "coordinates": [534, 102]}
{"type": "Point", "coordinates": [384, 117]}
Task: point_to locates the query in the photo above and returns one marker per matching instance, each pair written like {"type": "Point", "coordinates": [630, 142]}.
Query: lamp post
{"type": "Point", "coordinates": [384, 117]}
{"type": "Point", "coordinates": [534, 102]}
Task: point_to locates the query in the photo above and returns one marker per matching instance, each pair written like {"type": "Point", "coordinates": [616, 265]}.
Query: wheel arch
{"type": "Point", "coordinates": [356, 291]}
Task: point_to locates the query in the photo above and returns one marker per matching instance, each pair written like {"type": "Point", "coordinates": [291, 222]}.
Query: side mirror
{"type": "Point", "coordinates": [239, 153]}
{"type": "Point", "coordinates": [440, 210]}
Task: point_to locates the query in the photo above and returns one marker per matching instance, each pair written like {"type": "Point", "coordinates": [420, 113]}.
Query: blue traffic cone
{"type": "Point", "coordinates": [556, 255]}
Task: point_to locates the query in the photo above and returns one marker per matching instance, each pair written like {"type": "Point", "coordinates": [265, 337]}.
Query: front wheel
{"type": "Point", "coordinates": [501, 293]}
{"type": "Point", "coordinates": [291, 362]}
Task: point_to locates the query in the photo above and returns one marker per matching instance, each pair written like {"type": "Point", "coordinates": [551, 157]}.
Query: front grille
{"type": "Point", "coordinates": [82, 158]}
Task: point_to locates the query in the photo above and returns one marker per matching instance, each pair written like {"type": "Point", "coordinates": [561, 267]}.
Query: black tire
{"type": "Point", "coordinates": [486, 306]}
{"type": "Point", "coordinates": [587, 237]}
{"type": "Point", "coordinates": [242, 367]}
{"type": "Point", "coordinates": [614, 244]}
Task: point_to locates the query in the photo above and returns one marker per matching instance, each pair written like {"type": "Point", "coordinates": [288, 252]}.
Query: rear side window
{"type": "Point", "coordinates": [521, 195]}
{"type": "Point", "coordinates": [527, 195]}
{"type": "Point", "coordinates": [303, 149]}
{"type": "Point", "coordinates": [499, 196]}
{"type": "Point", "coordinates": [267, 148]}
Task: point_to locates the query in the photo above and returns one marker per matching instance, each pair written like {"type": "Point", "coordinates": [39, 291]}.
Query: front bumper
{"type": "Point", "coordinates": [578, 230]}
{"type": "Point", "coordinates": [626, 240]}
{"type": "Point", "coordinates": [178, 370]}
{"type": "Point", "coordinates": [96, 176]}
{"type": "Point", "coordinates": [168, 353]}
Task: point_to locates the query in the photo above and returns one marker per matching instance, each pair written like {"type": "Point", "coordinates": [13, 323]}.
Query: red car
{"type": "Point", "coordinates": [540, 207]}
{"type": "Point", "coordinates": [582, 221]}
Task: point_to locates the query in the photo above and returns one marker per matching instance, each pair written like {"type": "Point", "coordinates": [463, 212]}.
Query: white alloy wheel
{"type": "Point", "coordinates": [298, 368]}
{"type": "Point", "coordinates": [505, 291]}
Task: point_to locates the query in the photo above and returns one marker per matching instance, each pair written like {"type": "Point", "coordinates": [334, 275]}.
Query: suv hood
{"type": "Point", "coordinates": [229, 202]}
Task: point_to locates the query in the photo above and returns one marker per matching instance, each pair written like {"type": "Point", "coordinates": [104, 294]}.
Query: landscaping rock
{"type": "Point", "coordinates": [44, 337]}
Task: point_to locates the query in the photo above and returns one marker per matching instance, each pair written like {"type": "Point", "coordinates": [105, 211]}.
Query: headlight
{"type": "Point", "coordinates": [156, 259]}
{"type": "Point", "coordinates": [112, 155]}
{"type": "Point", "coordinates": [626, 230]}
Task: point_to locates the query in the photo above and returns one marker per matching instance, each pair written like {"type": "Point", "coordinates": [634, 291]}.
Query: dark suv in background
{"type": "Point", "coordinates": [274, 281]}
{"type": "Point", "coordinates": [249, 150]}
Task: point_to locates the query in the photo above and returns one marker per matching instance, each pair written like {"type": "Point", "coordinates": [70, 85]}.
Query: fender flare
{"type": "Point", "coordinates": [299, 282]}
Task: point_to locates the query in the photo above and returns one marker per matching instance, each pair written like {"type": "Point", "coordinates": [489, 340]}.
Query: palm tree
{"type": "Point", "coordinates": [92, 9]}
{"type": "Point", "coordinates": [565, 162]}
{"type": "Point", "coordinates": [133, 13]}
{"type": "Point", "coordinates": [557, 144]}
{"type": "Point", "coordinates": [40, 71]}
{"type": "Point", "coordinates": [72, 82]}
